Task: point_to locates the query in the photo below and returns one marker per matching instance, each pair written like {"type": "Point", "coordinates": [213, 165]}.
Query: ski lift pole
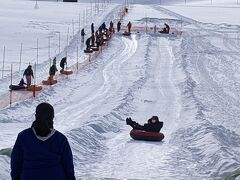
{"type": "Point", "coordinates": [11, 86]}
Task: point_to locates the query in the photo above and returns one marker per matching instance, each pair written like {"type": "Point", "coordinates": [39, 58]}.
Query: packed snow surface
{"type": "Point", "coordinates": [191, 81]}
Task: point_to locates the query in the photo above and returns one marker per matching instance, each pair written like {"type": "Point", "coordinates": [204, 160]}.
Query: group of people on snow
{"type": "Point", "coordinates": [28, 72]}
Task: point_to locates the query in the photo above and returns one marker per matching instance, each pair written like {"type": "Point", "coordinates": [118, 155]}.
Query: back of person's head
{"type": "Point", "coordinates": [29, 66]}
{"type": "Point", "coordinates": [43, 119]}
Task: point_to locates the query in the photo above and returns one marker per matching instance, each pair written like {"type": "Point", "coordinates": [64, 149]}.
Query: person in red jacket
{"type": "Point", "coordinates": [41, 152]}
{"type": "Point", "coordinates": [153, 125]}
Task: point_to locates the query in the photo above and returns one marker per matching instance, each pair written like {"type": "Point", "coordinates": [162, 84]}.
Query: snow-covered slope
{"type": "Point", "coordinates": [189, 81]}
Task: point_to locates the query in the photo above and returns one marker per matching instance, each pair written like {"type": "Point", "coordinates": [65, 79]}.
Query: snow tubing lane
{"type": "Point", "coordinates": [146, 136]}
{"type": "Point", "coordinates": [66, 71]}
{"type": "Point", "coordinates": [49, 82]}
{"type": "Point", "coordinates": [17, 87]}
{"type": "Point", "coordinates": [37, 88]}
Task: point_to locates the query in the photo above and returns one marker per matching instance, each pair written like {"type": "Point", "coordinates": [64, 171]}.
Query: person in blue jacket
{"type": "Point", "coordinates": [153, 125]}
{"type": "Point", "coordinates": [41, 152]}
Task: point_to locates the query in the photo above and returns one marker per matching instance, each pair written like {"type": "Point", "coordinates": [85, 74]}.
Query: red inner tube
{"type": "Point", "coordinates": [144, 135]}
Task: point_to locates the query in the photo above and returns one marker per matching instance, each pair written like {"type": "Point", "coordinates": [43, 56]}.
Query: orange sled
{"type": "Point", "coordinates": [66, 71]}
{"type": "Point", "coordinates": [37, 88]}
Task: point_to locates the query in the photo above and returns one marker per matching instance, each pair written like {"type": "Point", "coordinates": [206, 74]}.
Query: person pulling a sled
{"type": "Point", "coordinates": [153, 125]}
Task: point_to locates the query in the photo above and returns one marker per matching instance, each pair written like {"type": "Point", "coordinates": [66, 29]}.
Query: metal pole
{"type": "Point", "coordinates": [59, 43]}
{"type": "Point", "coordinates": [79, 22]}
{"type": "Point", "coordinates": [84, 18]}
{"type": "Point", "coordinates": [49, 50]}
{"type": "Point", "coordinates": [11, 85]}
{"type": "Point", "coordinates": [37, 51]}
{"type": "Point", "coordinates": [91, 12]}
{"type": "Point", "coordinates": [34, 86]}
{"type": "Point", "coordinates": [20, 59]}
{"type": "Point", "coordinates": [77, 57]}
{"type": "Point", "coordinates": [3, 61]}
{"type": "Point", "coordinates": [72, 28]}
{"type": "Point", "coordinates": [67, 41]}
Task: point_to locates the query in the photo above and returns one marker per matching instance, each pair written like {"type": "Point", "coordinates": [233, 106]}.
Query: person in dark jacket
{"type": "Point", "coordinates": [167, 28]}
{"type": "Point", "coordinates": [118, 26]}
{"type": "Point", "coordinates": [103, 26]}
{"type": "Point", "coordinates": [88, 41]}
{"type": "Point", "coordinates": [82, 35]}
{"type": "Point", "coordinates": [52, 72]}
{"type": "Point", "coordinates": [29, 75]}
{"type": "Point", "coordinates": [41, 152]}
{"type": "Point", "coordinates": [63, 62]}
{"type": "Point", "coordinates": [92, 28]}
{"type": "Point", "coordinates": [153, 125]}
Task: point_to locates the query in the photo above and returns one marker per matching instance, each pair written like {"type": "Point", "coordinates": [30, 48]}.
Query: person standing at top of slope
{"type": "Point", "coordinates": [41, 152]}
{"type": "Point", "coordinates": [153, 125]}
{"type": "Point", "coordinates": [29, 75]}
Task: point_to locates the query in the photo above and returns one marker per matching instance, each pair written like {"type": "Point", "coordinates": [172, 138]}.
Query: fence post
{"type": "Point", "coordinates": [3, 61]}
{"type": "Point", "coordinates": [79, 22]}
{"type": "Point", "coordinates": [11, 85]}
{"type": "Point", "coordinates": [34, 86]}
{"type": "Point", "coordinates": [37, 51]}
{"type": "Point", "coordinates": [59, 43]}
{"type": "Point", "coordinates": [20, 58]}
{"type": "Point", "coordinates": [49, 56]}
{"type": "Point", "coordinates": [72, 28]}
